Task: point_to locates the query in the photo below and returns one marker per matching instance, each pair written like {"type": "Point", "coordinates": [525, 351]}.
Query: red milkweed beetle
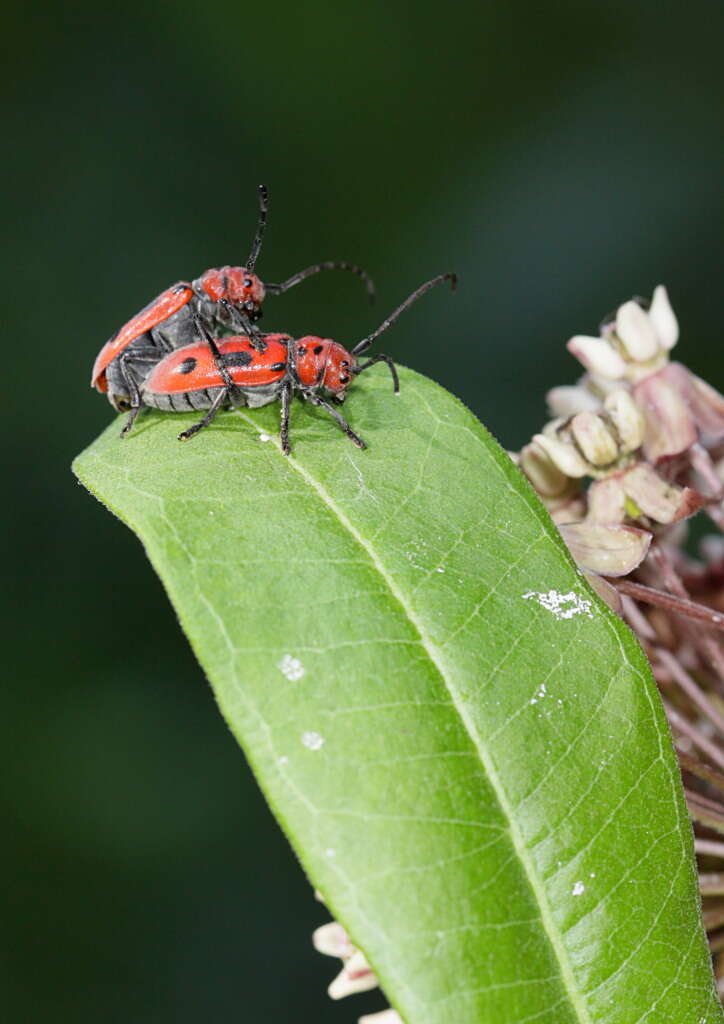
{"type": "Point", "coordinates": [228, 297]}
{"type": "Point", "coordinates": [232, 372]}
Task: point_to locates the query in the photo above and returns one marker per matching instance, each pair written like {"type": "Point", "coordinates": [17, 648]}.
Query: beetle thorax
{"type": "Point", "coordinates": [234, 284]}
{"type": "Point", "coordinates": [323, 363]}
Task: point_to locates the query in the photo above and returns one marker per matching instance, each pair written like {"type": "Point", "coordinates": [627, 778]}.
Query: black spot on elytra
{"type": "Point", "coordinates": [235, 360]}
{"type": "Point", "coordinates": [317, 349]}
{"type": "Point", "coordinates": [188, 365]}
{"type": "Point", "coordinates": [275, 367]}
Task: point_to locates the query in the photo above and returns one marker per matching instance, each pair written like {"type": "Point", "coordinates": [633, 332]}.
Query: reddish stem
{"type": "Point", "coordinates": [677, 605]}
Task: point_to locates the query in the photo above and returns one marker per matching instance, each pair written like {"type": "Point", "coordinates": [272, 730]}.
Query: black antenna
{"type": "Point", "coordinates": [417, 294]}
{"type": "Point", "coordinates": [261, 224]}
{"type": "Point", "coordinates": [277, 289]}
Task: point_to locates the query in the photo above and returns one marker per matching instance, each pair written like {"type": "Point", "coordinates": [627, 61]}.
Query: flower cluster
{"type": "Point", "coordinates": [641, 428]}
{"type": "Point", "coordinates": [631, 451]}
{"type": "Point", "coordinates": [356, 974]}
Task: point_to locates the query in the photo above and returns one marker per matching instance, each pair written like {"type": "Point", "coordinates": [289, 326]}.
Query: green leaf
{"type": "Point", "coordinates": [465, 747]}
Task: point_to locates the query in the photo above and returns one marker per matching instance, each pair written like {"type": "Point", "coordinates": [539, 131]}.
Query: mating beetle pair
{"type": "Point", "coordinates": [167, 356]}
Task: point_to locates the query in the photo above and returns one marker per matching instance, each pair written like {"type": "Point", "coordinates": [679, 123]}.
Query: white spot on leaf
{"type": "Point", "coordinates": [292, 668]}
{"type": "Point", "coordinates": [578, 889]}
{"type": "Point", "coordinates": [312, 740]}
{"type": "Point", "coordinates": [265, 437]}
{"type": "Point", "coordinates": [562, 606]}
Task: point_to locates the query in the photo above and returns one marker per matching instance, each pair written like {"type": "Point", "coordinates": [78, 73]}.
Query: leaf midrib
{"type": "Point", "coordinates": [437, 659]}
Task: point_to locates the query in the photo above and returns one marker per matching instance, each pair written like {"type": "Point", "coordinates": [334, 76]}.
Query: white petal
{"type": "Point", "coordinates": [546, 477]}
{"type": "Point", "coordinates": [597, 356]}
{"type": "Point", "coordinates": [636, 332]}
{"type": "Point", "coordinates": [563, 455]}
{"type": "Point", "coordinates": [663, 318]}
{"type": "Point", "coordinates": [332, 940]}
{"type": "Point", "coordinates": [355, 976]}
{"type": "Point", "coordinates": [567, 401]}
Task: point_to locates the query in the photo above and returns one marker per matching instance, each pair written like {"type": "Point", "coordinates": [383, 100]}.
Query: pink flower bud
{"type": "Point", "coordinates": [658, 499]}
{"type": "Point", "coordinates": [609, 550]}
{"type": "Point", "coordinates": [670, 427]}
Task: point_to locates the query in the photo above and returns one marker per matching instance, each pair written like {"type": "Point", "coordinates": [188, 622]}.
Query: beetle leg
{"type": "Point", "coordinates": [316, 400]}
{"type": "Point", "coordinates": [139, 355]}
{"type": "Point", "coordinates": [161, 340]}
{"type": "Point", "coordinates": [204, 333]}
{"type": "Point", "coordinates": [214, 408]}
{"type": "Point", "coordinates": [286, 395]}
{"type": "Point", "coordinates": [239, 320]}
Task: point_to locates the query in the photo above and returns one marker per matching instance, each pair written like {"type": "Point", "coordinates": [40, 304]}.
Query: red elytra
{"type": "Point", "coordinates": [162, 307]}
{"type": "Point", "coordinates": [224, 297]}
{"type": "Point", "coordinates": [193, 367]}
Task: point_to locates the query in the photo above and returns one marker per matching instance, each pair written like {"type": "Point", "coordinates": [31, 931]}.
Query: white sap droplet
{"type": "Point", "coordinates": [291, 667]}
{"type": "Point", "coordinates": [440, 569]}
{"type": "Point", "coordinates": [592, 875]}
{"type": "Point", "coordinates": [312, 740]}
{"type": "Point", "coordinates": [330, 852]}
{"type": "Point", "coordinates": [578, 889]}
{"type": "Point", "coordinates": [265, 437]}
{"type": "Point", "coordinates": [541, 692]}
{"type": "Point", "coordinates": [562, 606]}
{"type": "Point", "coordinates": [283, 759]}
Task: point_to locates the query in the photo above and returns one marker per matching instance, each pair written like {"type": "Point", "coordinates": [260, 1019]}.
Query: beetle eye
{"type": "Point", "coordinates": [248, 282]}
{"type": "Point", "coordinates": [344, 363]}
{"type": "Point", "coordinates": [344, 380]}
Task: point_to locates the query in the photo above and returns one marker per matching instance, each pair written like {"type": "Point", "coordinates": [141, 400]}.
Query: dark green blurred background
{"type": "Point", "coordinates": [560, 157]}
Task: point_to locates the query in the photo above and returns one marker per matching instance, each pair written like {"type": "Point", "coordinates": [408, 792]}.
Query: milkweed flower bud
{"type": "Point", "coordinates": [594, 439]}
{"type": "Point", "coordinates": [332, 940]}
{"type": "Point", "coordinates": [567, 400]}
{"type": "Point", "coordinates": [611, 550]}
{"type": "Point", "coordinates": [547, 478]}
{"type": "Point", "coordinates": [678, 408]}
{"type": "Point", "coordinates": [563, 455]}
{"type": "Point", "coordinates": [663, 318]}
{"type": "Point", "coordinates": [356, 974]}
{"type": "Point", "coordinates": [598, 356]}
{"type": "Point", "coordinates": [627, 419]}
{"type": "Point", "coordinates": [636, 332]}
{"type": "Point", "coordinates": [384, 1017]}
{"type": "Point", "coordinates": [656, 498]}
